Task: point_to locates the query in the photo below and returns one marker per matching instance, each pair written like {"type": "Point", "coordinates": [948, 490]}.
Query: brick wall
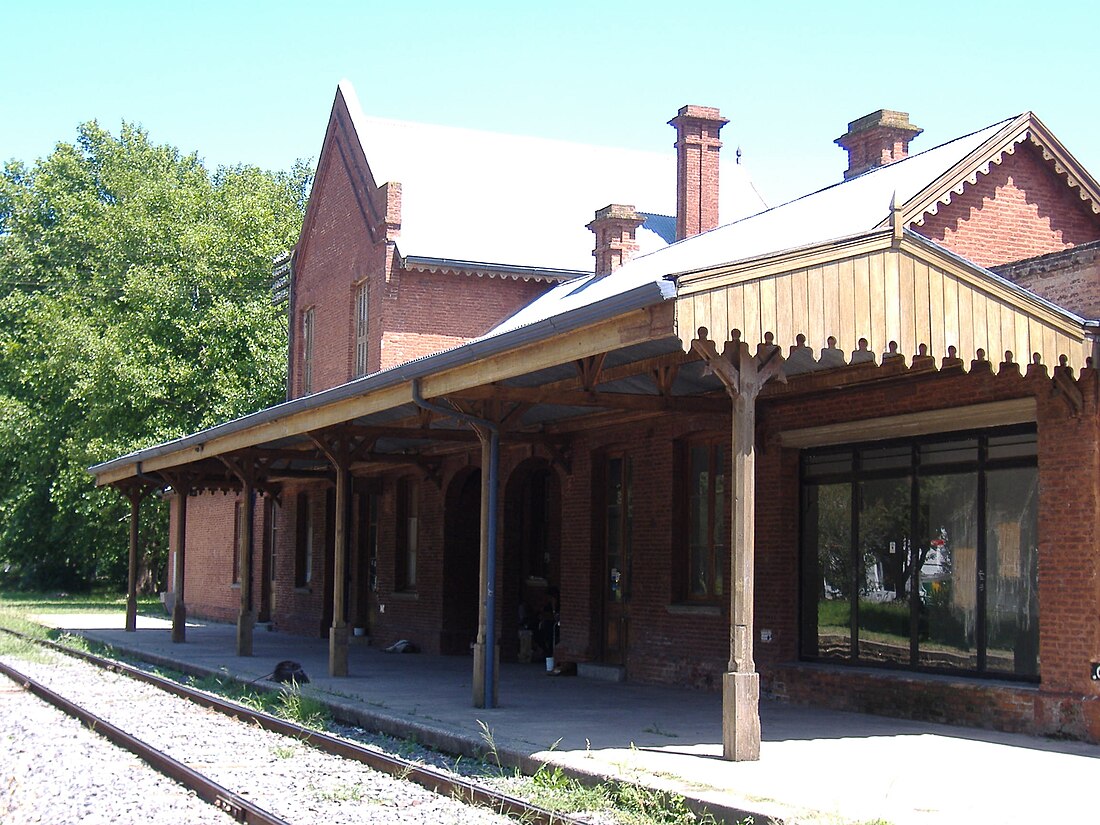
{"type": "Point", "coordinates": [429, 311]}
{"type": "Point", "coordinates": [1070, 278]}
{"type": "Point", "coordinates": [209, 589]}
{"type": "Point", "coordinates": [1019, 210]}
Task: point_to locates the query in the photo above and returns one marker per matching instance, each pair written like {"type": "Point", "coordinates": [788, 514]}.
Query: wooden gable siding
{"type": "Point", "coordinates": [881, 295]}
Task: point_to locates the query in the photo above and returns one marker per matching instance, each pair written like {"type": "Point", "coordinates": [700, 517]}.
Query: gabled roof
{"type": "Point", "coordinates": [1003, 141]}
{"type": "Point", "coordinates": [846, 209]}
{"type": "Point", "coordinates": [505, 199]}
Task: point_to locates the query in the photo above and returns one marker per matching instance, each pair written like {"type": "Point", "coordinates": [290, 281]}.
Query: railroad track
{"type": "Point", "coordinates": [244, 810]}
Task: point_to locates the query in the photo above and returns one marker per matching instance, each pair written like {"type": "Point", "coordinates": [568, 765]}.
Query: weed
{"type": "Point", "coordinates": [292, 705]}
{"type": "Point", "coordinates": [551, 788]}
{"type": "Point", "coordinates": [284, 751]}
{"type": "Point", "coordinates": [491, 751]}
{"type": "Point", "coordinates": [408, 747]}
{"type": "Point", "coordinates": [342, 793]}
{"type": "Point", "coordinates": [641, 804]}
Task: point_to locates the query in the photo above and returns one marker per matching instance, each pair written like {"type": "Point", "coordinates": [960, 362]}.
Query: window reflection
{"type": "Point", "coordinates": [948, 570]}
{"type": "Point", "coordinates": [886, 567]}
{"type": "Point", "coordinates": [1012, 558]}
{"type": "Point", "coordinates": [933, 565]}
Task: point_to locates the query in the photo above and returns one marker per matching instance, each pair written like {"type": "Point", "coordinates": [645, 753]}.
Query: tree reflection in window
{"type": "Point", "coordinates": [962, 594]}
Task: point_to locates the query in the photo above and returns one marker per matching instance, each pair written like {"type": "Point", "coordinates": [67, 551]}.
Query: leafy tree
{"type": "Point", "coordinates": [134, 308]}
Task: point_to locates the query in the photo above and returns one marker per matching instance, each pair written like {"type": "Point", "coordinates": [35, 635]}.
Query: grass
{"type": "Point", "coordinates": [552, 788]}
{"type": "Point", "coordinates": [60, 602]}
{"type": "Point", "coordinates": [342, 792]}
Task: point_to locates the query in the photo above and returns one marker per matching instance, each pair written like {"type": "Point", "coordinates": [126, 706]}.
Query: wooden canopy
{"type": "Point", "coordinates": [887, 292]}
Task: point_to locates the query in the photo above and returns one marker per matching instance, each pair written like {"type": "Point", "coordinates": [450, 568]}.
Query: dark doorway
{"type": "Point", "coordinates": [614, 523]}
{"type": "Point", "coordinates": [330, 560]}
{"type": "Point", "coordinates": [532, 558]}
{"type": "Point", "coordinates": [267, 565]}
{"type": "Point", "coordinates": [363, 603]}
{"type": "Point", "coordinates": [461, 560]}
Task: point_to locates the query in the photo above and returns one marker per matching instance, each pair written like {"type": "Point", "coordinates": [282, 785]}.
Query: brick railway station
{"type": "Point", "coordinates": [829, 451]}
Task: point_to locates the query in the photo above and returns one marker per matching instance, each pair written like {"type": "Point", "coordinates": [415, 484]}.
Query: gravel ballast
{"type": "Point", "coordinates": [63, 773]}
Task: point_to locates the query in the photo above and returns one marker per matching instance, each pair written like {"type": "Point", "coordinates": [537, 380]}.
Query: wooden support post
{"type": "Point", "coordinates": [135, 496]}
{"type": "Point", "coordinates": [179, 612]}
{"type": "Point", "coordinates": [338, 633]}
{"type": "Point", "coordinates": [741, 684]}
{"type": "Point", "coordinates": [743, 376]}
{"type": "Point", "coordinates": [341, 448]}
{"type": "Point", "coordinates": [246, 620]}
{"type": "Point", "coordinates": [484, 695]}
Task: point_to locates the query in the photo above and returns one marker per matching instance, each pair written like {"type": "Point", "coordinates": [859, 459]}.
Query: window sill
{"type": "Point", "coordinates": [405, 595]}
{"type": "Point", "coordinates": [235, 586]}
{"type": "Point", "coordinates": [303, 589]}
{"type": "Point", "coordinates": [688, 609]}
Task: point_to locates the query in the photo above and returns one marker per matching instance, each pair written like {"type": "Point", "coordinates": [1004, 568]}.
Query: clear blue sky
{"type": "Point", "coordinates": [252, 82]}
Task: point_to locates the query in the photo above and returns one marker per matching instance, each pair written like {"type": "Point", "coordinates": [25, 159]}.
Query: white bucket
{"type": "Point", "coordinates": [549, 664]}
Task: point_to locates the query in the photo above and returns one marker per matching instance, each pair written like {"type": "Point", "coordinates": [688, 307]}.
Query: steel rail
{"type": "Point", "coordinates": [207, 789]}
{"type": "Point", "coordinates": [458, 788]}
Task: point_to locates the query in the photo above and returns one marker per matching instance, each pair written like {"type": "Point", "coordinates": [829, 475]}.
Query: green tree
{"type": "Point", "coordinates": [134, 308]}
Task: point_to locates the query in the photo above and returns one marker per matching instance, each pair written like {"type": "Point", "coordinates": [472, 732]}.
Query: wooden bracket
{"type": "Point", "coordinates": [664, 375]}
{"type": "Point", "coordinates": [742, 373]}
{"type": "Point", "coordinates": [560, 456]}
{"type": "Point", "coordinates": [589, 370]}
{"type": "Point", "coordinates": [1065, 387]}
{"type": "Point", "coordinates": [719, 365]}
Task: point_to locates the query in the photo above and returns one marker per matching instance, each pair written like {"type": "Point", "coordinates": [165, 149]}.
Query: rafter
{"type": "Point", "coordinates": [613, 400]}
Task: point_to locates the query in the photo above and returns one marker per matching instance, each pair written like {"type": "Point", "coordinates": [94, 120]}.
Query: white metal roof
{"type": "Point", "coordinates": [523, 201]}
{"type": "Point", "coordinates": [838, 211]}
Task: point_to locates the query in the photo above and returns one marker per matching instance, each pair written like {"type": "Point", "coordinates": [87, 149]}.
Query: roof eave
{"type": "Point", "coordinates": [642, 297]}
{"type": "Point", "coordinates": [540, 273]}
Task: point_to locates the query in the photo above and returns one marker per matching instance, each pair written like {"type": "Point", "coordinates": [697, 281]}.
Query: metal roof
{"type": "Point", "coordinates": [518, 200]}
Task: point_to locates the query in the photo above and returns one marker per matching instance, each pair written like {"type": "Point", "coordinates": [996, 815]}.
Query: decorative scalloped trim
{"type": "Point", "coordinates": [972, 179]}
{"type": "Point", "coordinates": [1059, 169]}
{"type": "Point", "coordinates": [480, 273]}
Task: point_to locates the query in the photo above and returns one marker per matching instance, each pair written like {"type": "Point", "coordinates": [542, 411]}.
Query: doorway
{"type": "Point", "coordinates": [461, 562]}
{"type": "Point", "coordinates": [614, 517]}
{"type": "Point", "coordinates": [532, 557]}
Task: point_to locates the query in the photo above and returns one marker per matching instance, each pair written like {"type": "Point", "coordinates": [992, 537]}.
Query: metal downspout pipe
{"type": "Point", "coordinates": [489, 660]}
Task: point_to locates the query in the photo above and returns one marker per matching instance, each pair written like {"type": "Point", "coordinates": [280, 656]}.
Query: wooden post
{"type": "Point", "coordinates": [480, 690]}
{"type": "Point", "coordinates": [135, 495]}
{"type": "Point", "coordinates": [340, 449]}
{"type": "Point", "coordinates": [741, 684]}
{"type": "Point", "coordinates": [743, 376]}
{"type": "Point", "coordinates": [246, 621]}
{"type": "Point", "coordinates": [179, 612]}
{"type": "Point", "coordinates": [338, 633]}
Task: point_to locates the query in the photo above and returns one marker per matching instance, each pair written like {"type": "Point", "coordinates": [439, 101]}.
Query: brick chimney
{"type": "Point", "coordinates": [614, 227]}
{"type": "Point", "coordinates": [877, 139]}
{"type": "Point", "coordinates": [697, 146]}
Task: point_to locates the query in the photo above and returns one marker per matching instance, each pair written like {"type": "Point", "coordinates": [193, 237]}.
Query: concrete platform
{"type": "Point", "coordinates": [816, 766]}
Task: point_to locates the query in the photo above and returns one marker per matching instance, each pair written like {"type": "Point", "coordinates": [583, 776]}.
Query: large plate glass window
{"type": "Point", "coordinates": [923, 553]}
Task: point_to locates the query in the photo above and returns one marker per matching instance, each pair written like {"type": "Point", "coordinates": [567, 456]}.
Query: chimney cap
{"type": "Point", "coordinates": [699, 113]}
{"type": "Point", "coordinates": [618, 210]}
{"type": "Point", "coordinates": [884, 119]}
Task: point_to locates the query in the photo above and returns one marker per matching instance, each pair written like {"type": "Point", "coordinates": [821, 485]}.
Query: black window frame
{"type": "Point", "coordinates": [915, 470]}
